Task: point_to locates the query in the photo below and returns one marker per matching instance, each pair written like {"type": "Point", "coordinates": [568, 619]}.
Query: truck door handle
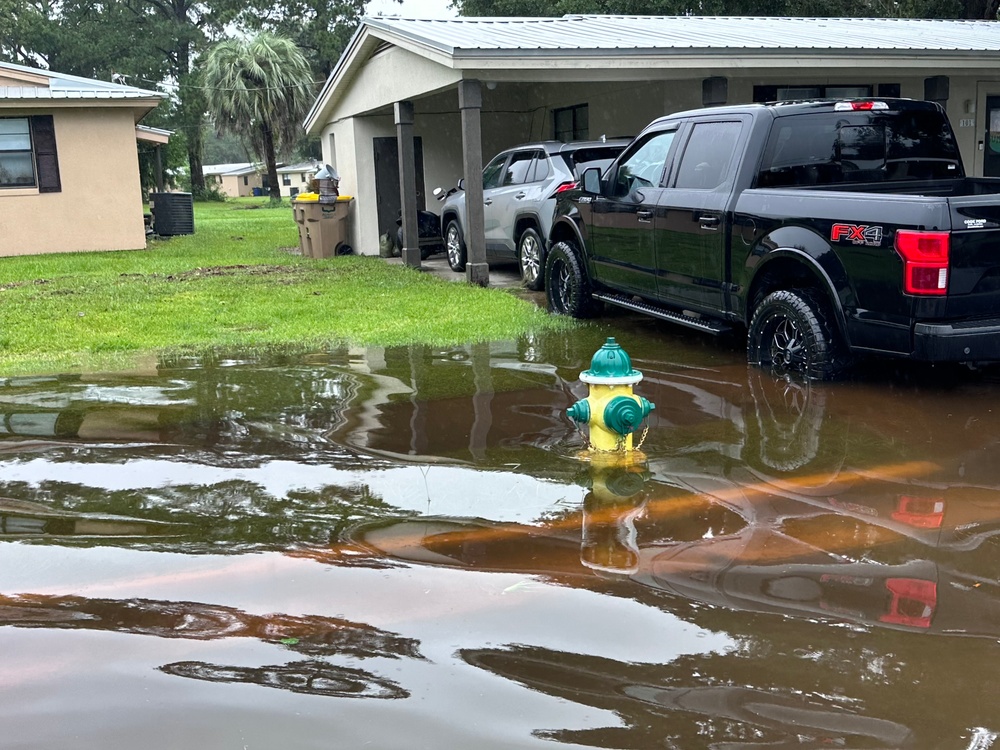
{"type": "Point", "coordinates": [487, 202]}
{"type": "Point", "coordinates": [644, 216]}
{"type": "Point", "coordinates": [520, 195]}
{"type": "Point", "coordinates": [709, 222]}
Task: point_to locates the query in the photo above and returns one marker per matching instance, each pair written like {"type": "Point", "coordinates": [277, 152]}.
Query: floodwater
{"type": "Point", "coordinates": [400, 548]}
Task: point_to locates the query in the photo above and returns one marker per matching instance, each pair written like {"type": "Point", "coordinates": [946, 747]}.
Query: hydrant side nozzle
{"type": "Point", "coordinates": [580, 411]}
{"type": "Point", "coordinates": [623, 414]}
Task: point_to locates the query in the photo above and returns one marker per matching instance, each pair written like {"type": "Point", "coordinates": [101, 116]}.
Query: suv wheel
{"type": "Point", "coordinates": [567, 287]}
{"type": "Point", "coordinates": [529, 259]}
{"type": "Point", "coordinates": [791, 334]}
{"type": "Point", "coordinates": [455, 246]}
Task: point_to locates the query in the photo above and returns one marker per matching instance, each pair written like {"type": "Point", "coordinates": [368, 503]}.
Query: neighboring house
{"type": "Point", "coordinates": [526, 79]}
{"type": "Point", "coordinates": [235, 180]}
{"type": "Point", "coordinates": [69, 166]}
{"type": "Point", "coordinates": [294, 179]}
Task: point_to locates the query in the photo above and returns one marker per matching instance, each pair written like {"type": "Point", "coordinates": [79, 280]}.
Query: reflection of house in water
{"type": "Point", "coordinates": [19, 518]}
{"type": "Point", "coordinates": [426, 404]}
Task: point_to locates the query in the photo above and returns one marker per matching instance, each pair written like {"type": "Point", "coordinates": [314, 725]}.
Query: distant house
{"type": "Point", "coordinates": [294, 179]}
{"type": "Point", "coordinates": [69, 166]}
{"type": "Point", "coordinates": [236, 180]}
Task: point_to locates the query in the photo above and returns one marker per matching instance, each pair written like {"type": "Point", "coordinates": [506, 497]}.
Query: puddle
{"type": "Point", "coordinates": [400, 547]}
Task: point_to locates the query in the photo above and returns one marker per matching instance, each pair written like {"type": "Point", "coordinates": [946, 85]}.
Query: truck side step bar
{"type": "Point", "coordinates": [630, 303]}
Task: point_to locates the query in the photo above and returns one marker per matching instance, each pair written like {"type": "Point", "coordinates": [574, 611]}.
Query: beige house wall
{"type": "Point", "coordinates": [100, 204]}
{"type": "Point", "coordinates": [232, 184]}
{"type": "Point", "coordinates": [298, 180]}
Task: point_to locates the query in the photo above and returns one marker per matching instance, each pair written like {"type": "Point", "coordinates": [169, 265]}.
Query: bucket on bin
{"type": "Point", "coordinates": [329, 184]}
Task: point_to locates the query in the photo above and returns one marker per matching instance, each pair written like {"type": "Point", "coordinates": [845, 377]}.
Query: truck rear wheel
{"type": "Point", "coordinates": [567, 288]}
{"type": "Point", "coordinates": [791, 334]}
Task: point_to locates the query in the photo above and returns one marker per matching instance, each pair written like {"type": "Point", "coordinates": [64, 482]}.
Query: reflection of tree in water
{"type": "Point", "coordinates": [309, 677]}
{"type": "Point", "coordinates": [227, 517]}
{"type": "Point", "coordinates": [677, 706]}
{"type": "Point", "coordinates": [306, 634]}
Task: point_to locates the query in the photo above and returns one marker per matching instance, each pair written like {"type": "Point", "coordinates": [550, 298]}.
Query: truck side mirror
{"type": "Point", "coordinates": [461, 183]}
{"type": "Point", "coordinates": [591, 181]}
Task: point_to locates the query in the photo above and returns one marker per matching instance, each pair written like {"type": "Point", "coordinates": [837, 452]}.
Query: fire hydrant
{"type": "Point", "coordinates": [611, 410]}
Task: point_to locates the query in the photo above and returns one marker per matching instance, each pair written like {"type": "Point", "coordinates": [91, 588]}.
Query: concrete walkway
{"type": "Point", "coordinates": [501, 276]}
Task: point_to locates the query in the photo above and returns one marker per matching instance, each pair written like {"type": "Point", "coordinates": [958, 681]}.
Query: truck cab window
{"type": "Point", "coordinates": [708, 155]}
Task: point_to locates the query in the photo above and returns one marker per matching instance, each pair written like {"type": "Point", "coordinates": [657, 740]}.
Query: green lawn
{"type": "Point", "coordinates": [238, 283]}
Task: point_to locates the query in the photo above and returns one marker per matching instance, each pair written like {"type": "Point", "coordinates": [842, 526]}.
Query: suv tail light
{"type": "Point", "coordinates": [564, 187]}
{"type": "Point", "coordinates": [925, 261]}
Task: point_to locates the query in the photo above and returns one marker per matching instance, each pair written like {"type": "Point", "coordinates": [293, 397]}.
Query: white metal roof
{"type": "Point", "coordinates": [67, 87]}
{"type": "Point", "coordinates": [236, 168]}
{"type": "Point", "coordinates": [577, 33]}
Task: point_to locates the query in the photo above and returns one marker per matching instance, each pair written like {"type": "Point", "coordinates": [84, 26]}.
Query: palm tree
{"type": "Point", "coordinates": [260, 89]}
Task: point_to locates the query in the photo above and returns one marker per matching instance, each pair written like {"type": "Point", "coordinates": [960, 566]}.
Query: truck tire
{"type": "Point", "coordinates": [567, 288]}
{"type": "Point", "coordinates": [455, 246]}
{"type": "Point", "coordinates": [530, 258]}
{"type": "Point", "coordinates": [791, 334]}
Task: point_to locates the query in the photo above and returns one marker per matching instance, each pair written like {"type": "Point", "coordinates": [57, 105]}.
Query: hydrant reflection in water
{"type": "Point", "coordinates": [611, 410]}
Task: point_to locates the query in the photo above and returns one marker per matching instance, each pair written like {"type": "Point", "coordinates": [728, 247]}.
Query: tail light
{"type": "Point", "coordinates": [925, 261]}
{"type": "Point", "coordinates": [920, 512]}
{"type": "Point", "coordinates": [861, 106]}
{"type": "Point", "coordinates": [912, 602]}
{"type": "Point", "coordinates": [565, 187]}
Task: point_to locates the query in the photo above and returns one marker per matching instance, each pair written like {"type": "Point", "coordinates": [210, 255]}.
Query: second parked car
{"type": "Point", "coordinates": [520, 186]}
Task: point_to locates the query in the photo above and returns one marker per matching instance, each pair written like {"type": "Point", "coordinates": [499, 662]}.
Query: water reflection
{"type": "Point", "coordinates": [309, 677]}
{"type": "Point", "coordinates": [823, 555]}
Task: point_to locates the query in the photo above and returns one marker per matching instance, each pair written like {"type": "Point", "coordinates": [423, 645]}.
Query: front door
{"type": "Point", "coordinates": [991, 142]}
{"type": "Point", "coordinates": [388, 205]}
{"type": "Point", "coordinates": [621, 232]}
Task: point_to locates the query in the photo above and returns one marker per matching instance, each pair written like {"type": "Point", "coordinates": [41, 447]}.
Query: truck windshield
{"type": "Point", "coordinates": [838, 147]}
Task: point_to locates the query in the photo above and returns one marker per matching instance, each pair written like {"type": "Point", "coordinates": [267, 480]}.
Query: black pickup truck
{"type": "Point", "coordinates": [824, 228]}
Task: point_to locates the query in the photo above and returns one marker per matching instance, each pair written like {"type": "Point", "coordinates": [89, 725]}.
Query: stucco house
{"type": "Point", "coordinates": [236, 180]}
{"type": "Point", "coordinates": [294, 178]}
{"type": "Point", "coordinates": [69, 166]}
{"type": "Point", "coordinates": [464, 89]}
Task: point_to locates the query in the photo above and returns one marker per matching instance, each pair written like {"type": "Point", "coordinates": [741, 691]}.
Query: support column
{"type": "Point", "coordinates": [470, 102]}
{"type": "Point", "coordinates": [407, 183]}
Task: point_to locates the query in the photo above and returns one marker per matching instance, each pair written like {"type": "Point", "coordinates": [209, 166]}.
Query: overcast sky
{"type": "Point", "coordinates": [411, 8]}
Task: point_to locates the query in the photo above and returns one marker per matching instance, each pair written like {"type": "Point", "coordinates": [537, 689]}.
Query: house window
{"type": "Point", "coordinates": [791, 93]}
{"type": "Point", "coordinates": [28, 153]}
{"type": "Point", "coordinates": [571, 123]}
{"type": "Point", "coordinates": [286, 180]}
{"type": "Point", "coordinates": [17, 167]}
{"type": "Point", "coordinates": [246, 179]}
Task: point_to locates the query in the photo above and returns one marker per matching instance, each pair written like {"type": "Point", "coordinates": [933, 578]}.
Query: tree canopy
{"type": "Point", "coordinates": [260, 89]}
{"type": "Point", "coordinates": [982, 9]}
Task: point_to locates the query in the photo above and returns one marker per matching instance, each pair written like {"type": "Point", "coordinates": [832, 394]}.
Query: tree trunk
{"type": "Point", "coordinates": [271, 161]}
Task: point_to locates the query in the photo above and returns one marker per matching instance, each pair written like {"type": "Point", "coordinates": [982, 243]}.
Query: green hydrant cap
{"type": "Point", "coordinates": [611, 365]}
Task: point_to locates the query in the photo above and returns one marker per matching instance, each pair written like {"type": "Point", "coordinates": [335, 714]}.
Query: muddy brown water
{"type": "Point", "coordinates": [389, 548]}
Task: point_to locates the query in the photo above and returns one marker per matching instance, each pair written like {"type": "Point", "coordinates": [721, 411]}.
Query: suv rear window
{"type": "Point", "coordinates": [593, 156]}
{"type": "Point", "coordinates": [829, 148]}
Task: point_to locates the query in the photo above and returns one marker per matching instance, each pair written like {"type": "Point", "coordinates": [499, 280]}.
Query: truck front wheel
{"type": "Point", "coordinates": [791, 334]}
{"type": "Point", "coordinates": [567, 287]}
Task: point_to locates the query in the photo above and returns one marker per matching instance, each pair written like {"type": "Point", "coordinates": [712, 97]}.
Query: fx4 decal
{"type": "Point", "coordinates": [857, 234]}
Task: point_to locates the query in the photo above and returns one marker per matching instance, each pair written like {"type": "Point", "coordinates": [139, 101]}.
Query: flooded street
{"type": "Point", "coordinates": [389, 548]}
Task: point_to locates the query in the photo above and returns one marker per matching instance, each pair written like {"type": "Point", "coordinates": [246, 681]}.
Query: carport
{"type": "Point", "coordinates": [415, 104]}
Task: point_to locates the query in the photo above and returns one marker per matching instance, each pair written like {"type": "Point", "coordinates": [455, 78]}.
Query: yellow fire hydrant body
{"type": "Point", "coordinates": [611, 410]}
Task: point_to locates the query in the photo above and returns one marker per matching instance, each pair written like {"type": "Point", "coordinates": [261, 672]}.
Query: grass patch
{"type": "Point", "coordinates": [237, 283]}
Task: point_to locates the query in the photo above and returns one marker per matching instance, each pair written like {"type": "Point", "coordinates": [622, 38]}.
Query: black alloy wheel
{"type": "Point", "coordinates": [790, 334]}
{"type": "Point", "coordinates": [567, 288]}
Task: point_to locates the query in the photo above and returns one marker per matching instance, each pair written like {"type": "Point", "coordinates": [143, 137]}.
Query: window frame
{"type": "Point", "coordinates": [30, 151]}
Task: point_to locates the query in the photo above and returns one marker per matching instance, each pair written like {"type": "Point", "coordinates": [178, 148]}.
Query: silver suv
{"type": "Point", "coordinates": [520, 186]}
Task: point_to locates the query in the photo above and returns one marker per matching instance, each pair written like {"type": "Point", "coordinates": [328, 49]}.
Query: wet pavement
{"type": "Point", "coordinates": [401, 548]}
